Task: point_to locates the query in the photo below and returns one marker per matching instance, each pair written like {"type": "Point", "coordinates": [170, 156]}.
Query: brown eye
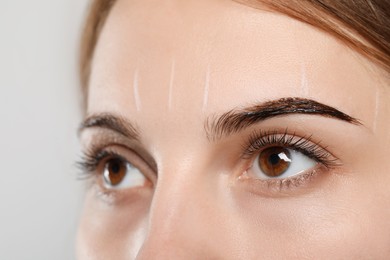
{"type": "Point", "coordinates": [274, 161]}
{"type": "Point", "coordinates": [118, 173]}
{"type": "Point", "coordinates": [115, 171]}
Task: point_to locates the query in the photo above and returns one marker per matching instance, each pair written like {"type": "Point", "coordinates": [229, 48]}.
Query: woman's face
{"type": "Point", "coordinates": [220, 131]}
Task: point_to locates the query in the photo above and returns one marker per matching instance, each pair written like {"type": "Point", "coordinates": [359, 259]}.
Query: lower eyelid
{"type": "Point", "coordinates": [123, 197]}
{"type": "Point", "coordinates": [287, 187]}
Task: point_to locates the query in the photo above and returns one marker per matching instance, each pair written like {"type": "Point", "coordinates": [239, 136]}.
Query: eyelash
{"type": "Point", "coordinates": [91, 159]}
{"type": "Point", "coordinates": [257, 141]}
{"type": "Point", "coordinates": [260, 140]}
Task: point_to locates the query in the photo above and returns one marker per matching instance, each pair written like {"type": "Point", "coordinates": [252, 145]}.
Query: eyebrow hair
{"type": "Point", "coordinates": [230, 122]}
{"type": "Point", "coordinates": [112, 122]}
{"type": "Point", "coordinates": [236, 120]}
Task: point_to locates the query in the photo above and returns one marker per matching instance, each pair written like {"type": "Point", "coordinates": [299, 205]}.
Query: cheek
{"type": "Point", "coordinates": [112, 231]}
{"type": "Point", "coordinates": [339, 220]}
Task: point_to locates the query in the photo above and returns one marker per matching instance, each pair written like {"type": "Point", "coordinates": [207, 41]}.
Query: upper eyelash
{"type": "Point", "coordinates": [91, 159]}
{"type": "Point", "coordinates": [259, 140]}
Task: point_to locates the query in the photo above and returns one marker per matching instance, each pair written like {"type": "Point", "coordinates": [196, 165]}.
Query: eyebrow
{"type": "Point", "coordinates": [230, 122]}
{"type": "Point", "coordinates": [111, 122]}
{"type": "Point", "coordinates": [236, 120]}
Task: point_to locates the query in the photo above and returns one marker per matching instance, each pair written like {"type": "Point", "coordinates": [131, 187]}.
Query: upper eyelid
{"type": "Point", "coordinates": [113, 150]}
{"type": "Point", "coordinates": [106, 137]}
{"type": "Point", "coordinates": [288, 139]}
{"type": "Point", "coordinates": [102, 138]}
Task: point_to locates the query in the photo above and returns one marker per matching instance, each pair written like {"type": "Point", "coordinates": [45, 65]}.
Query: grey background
{"type": "Point", "coordinates": [40, 198]}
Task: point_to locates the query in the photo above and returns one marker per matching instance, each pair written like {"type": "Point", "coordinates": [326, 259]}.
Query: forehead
{"type": "Point", "coordinates": [210, 56]}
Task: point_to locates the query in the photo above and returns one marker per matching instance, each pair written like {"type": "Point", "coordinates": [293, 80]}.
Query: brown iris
{"type": "Point", "coordinates": [274, 161]}
{"type": "Point", "coordinates": [114, 171]}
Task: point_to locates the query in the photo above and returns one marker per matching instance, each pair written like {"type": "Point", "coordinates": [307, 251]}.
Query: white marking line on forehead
{"type": "Point", "coordinates": [136, 92]}
{"type": "Point", "coordinates": [171, 85]}
{"type": "Point", "coordinates": [206, 89]}
{"type": "Point", "coordinates": [376, 112]}
{"type": "Point", "coordinates": [304, 83]}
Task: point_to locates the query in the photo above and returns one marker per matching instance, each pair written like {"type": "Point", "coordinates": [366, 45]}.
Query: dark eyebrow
{"type": "Point", "coordinates": [112, 122]}
{"type": "Point", "coordinates": [236, 120]}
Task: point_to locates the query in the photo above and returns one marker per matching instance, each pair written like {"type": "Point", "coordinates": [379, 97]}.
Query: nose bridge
{"type": "Point", "coordinates": [173, 201]}
{"type": "Point", "coordinates": [179, 213]}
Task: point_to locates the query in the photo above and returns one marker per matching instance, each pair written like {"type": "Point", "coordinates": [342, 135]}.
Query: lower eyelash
{"type": "Point", "coordinates": [295, 181]}
{"type": "Point", "coordinates": [276, 187]}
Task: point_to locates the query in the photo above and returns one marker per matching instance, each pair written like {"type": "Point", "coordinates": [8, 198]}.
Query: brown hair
{"type": "Point", "coordinates": [364, 25]}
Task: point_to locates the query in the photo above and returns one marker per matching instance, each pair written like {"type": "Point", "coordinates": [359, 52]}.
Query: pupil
{"type": "Point", "coordinates": [115, 167]}
{"type": "Point", "coordinates": [274, 159]}
{"type": "Point", "coordinates": [114, 172]}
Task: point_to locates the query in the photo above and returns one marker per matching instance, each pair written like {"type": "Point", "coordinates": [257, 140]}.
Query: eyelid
{"type": "Point", "coordinates": [98, 138]}
{"type": "Point", "coordinates": [294, 186]}
{"type": "Point", "coordinates": [119, 151]}
{"type": "Point", "coordinates": [260, 140]}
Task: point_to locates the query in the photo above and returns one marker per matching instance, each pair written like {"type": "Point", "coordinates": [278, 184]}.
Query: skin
{"type": "Point", "coordinates": [167, 66]}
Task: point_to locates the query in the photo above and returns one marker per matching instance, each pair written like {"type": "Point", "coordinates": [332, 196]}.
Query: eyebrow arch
{"type": "Point", "coordinates": [112, 122]}
{"type": "Point", "coordinates": [236, 120]}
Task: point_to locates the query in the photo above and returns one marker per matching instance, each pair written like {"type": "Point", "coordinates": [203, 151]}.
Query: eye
{"type": "Point", "coordinates": [118, 174]}
{"type": "Point", "coordinates": [280, 162]}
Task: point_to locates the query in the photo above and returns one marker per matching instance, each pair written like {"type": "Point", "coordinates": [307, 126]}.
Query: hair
{"type": "Point", "coordinates": [363, 25]}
